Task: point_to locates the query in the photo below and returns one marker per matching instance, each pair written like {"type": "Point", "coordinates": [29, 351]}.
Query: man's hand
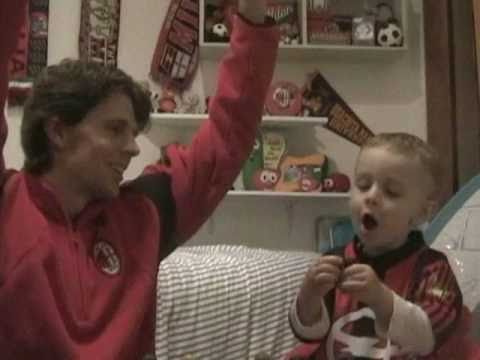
{"type": "Point", "coordinates": [321, 277]}
{"type": "Point", "coordinates": [253, 10]}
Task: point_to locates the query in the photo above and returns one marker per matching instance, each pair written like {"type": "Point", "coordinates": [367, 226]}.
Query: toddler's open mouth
{"type": "Point", "coordinates": [369, 222]}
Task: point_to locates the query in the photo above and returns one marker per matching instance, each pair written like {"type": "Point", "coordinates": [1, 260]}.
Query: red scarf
{"type": "Point", "coordinates": [176, 54]}
{"type": "Point", "coordinates": [30, 56]}
{"type": "Point", "coordinates": [99, 29]}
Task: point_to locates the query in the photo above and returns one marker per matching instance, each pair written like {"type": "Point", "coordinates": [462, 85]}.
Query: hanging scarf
{"type": "Point", "coordinates": [30, 56]}
{"type": "Point", "coordinates": [175, 58]}
{"type": "Point", "coordinates": [99, 29]}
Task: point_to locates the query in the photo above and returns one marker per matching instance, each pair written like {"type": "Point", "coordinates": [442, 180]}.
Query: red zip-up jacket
{"type": "Point", "coordinates": [85, 288]}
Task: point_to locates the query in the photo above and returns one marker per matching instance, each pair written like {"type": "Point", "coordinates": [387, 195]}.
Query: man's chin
{"type": "Point", "coordinates": [108, 193]}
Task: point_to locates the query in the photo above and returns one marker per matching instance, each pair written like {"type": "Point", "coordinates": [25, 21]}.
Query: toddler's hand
{"type": "Point", "coordinates": [321, 277]}
{"type": "Point", "coordinates": [360, 281]}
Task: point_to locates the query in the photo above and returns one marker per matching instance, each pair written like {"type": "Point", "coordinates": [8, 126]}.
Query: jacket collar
{"type": "Point", "coordinates": [381, 263]}
{"type": "Point", "coordinates": [45, 198]}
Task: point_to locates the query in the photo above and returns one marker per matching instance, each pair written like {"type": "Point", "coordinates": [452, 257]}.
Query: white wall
{"type": "Point", "coordinates": [386, 91]}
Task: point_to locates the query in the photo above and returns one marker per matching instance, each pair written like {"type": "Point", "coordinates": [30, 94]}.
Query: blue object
{"type": "Point", "coordinates": [450, 209]}
{"type": "Point", "coordinates": [341, 232]}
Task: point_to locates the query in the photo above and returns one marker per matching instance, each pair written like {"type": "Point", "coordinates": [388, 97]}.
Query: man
{"type": "Point", "coordinates": [78, 251]}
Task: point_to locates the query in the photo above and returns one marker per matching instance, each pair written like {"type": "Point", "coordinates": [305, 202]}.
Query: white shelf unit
{"type": "Point", "coordinates": [189, 121]}
{"type": "Point", "coordinates": [336, 203]}
{"type": "Point", "coordinates": [173, 120]}
{"type": "Point", "coordinates": [326, 198]}
{"type": "Point", "coordinates": [310, 51]}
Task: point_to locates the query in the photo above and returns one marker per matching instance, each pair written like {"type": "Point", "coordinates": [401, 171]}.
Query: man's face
{"type": "Point", "coordinates": [390, 196]}
{"type": "Point", "coordinates": [96, 151]}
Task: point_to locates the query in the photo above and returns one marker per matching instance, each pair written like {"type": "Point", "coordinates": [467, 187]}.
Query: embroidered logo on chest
{"type": "Point", "coordinates": [106, 258]}
{"type": "Point", "coordinates": [342, 345]}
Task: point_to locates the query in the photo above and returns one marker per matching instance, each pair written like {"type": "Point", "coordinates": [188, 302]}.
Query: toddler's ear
{"type": "Point", "coordinates": [432, 208]}
{"type": "Point", "coordinates": [428, 212]}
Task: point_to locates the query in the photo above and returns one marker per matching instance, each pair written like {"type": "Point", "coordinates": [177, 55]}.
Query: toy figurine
{"type": "Point", "coordinates": [265, 179]}
{"type": "Point", "coordinates": [336, 182]}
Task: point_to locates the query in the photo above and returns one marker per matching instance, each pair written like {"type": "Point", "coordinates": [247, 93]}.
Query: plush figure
{"type": "Point", "coordinates": [309, 183]}
{"type": "Point", "coordinates": [389, 34]}
{"type": "Point", "coordinates": [302, 174]}
{"type": "Point", "coordinates": [253, 164]}
{"type": "Point", "coordinates": [336, 182]}
{"type": "Point", "coordinates": [265, 179]}
{"type": "Point", "coordinates": [164, 103]}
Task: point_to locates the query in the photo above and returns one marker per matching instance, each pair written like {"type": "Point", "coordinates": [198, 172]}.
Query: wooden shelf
{"type": "Point", "coordinates": [191, 120]}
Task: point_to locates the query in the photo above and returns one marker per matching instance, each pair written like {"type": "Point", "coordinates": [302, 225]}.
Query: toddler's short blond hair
{"type": "Point", "coordinates": [410, 146]}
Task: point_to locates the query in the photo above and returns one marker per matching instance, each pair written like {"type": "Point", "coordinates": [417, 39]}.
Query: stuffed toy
{"type": "Point", "coordinates": [336, 182]}
{"type": "Point", "coordinates": [302, 174]}
{"type": "Point", "coordinates": [253, 164]}
{"type": "Point", "coordinates": [265, 179]}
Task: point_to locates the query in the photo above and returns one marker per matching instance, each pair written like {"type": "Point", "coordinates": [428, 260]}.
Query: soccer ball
{"type": "Point", "coordinates": [220, 30]}
{"type": "Point", "coordinates": [390, 35]}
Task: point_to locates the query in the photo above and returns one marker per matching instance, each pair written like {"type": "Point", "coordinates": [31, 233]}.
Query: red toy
{"type": "Point", "coordinates": [336, 182]}
{"type": "Point", "coordinates": [265, 179]}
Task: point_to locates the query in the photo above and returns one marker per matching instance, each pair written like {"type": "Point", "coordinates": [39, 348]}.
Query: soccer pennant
{"type": "Point", "coordinates": [175, 59]}
{"type": "Point", "coordinates": [320, 99]}
{"type": "Point", "coordinates": [99, 30]}
{"type": "Point", "coordinates": [30, 56]}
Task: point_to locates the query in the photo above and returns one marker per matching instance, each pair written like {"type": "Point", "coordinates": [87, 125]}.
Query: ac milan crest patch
{"type": "Point", "coordinates": [99, 31]}
{"type": "Point", "coordinates": [175, 58]}
{"type": "Point", "coordinates": [106, 258]}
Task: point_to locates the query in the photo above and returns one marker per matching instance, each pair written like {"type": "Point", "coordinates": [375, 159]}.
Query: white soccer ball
{"type": "Point", "coordinates": [390, 35]}
{"type": "Point", "coordinates": [220, 29]}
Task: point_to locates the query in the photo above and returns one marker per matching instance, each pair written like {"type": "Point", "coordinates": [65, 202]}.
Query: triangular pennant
{"type": "Point", "coordinates": [320, 99]}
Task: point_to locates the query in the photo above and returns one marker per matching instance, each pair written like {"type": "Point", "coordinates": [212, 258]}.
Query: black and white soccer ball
{"type": "Point", "coordinates": [390, 35]}
{"type": "Point", "coordinates": [220, 30]}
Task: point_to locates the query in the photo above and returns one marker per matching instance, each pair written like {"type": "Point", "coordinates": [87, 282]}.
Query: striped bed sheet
{"type": "Point", "coordinates": [227, 302]}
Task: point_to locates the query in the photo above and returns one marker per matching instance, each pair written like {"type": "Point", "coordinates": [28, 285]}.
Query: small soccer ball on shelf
{"type": "Point", "coordinates": [389, 34]}
{"type": "Point", "coordinates": [220, 30]}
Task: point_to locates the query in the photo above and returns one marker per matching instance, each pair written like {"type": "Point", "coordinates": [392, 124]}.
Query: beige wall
{"type": "Point", "coordinates": [387, 91]}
